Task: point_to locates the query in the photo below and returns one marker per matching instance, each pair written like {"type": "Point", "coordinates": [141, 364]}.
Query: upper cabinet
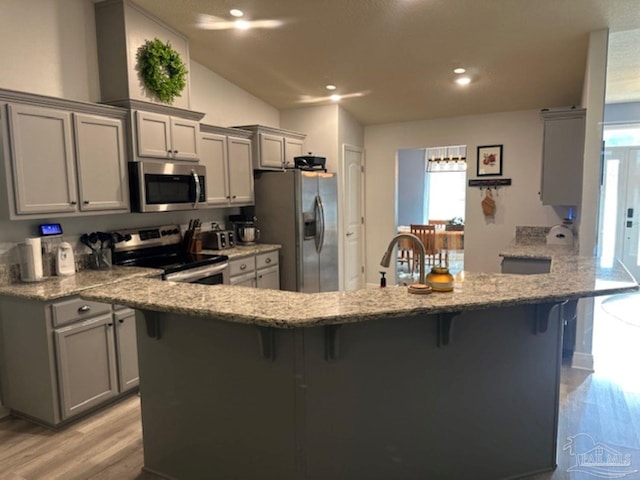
{"type": "Point", "coordinates": [166, 137]}
{"type": "Point", "coordinates": [563, 157]}
{"type": "Point", "coordinates": [226, 153]}
{"type": "Point", "coordinates": [274, 148]}
{"type": "Point", "coordinates": [102, 164]}
{"type": "Point", "coordinates": [62, 157]}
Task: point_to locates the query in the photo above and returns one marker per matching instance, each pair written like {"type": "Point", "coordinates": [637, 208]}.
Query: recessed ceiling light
{"type": "Point", "coordinates": [242, 25]}
{"type": "Point", "coordinates": [459, 70]}
{"type": "Point", "coordinates": [335, 97]}
{"type": "Point", "coordinates": [331, 87]}
{"type": "Point", "coordinates": [463, 80]}
{"type": "Point", "coordinates": [235, 12]}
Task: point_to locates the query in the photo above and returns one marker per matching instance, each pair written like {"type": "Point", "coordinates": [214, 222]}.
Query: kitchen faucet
{"type": "Point", "coordinates": [386, 258]}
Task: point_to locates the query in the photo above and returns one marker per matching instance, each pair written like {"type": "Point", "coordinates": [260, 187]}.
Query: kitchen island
{"type": "Point", "coordinates": [372, 384]}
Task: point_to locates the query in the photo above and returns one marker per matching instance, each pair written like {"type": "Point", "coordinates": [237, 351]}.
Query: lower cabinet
{"type": "Point", "coordinates": [62, 358]}
{"type": "Point", "coordinates": [261, 271]}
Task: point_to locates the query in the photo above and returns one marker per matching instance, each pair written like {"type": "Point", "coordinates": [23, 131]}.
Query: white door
{"type": "Point", "coordinates": [620, 208]}
{"type": "Point", "coordinates": [353, 194]}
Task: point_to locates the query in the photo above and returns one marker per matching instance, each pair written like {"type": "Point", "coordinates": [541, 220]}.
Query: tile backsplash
{"type": "Point", "coordinates": [531, 235]}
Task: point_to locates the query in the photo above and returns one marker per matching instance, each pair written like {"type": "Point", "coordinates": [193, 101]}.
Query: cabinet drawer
{"type": "Point", "coordinates": [268, 259]}
{"type": "Point", "coordinates": [242, 265]}
{"type": "Point", "coordinates": [75, 309]}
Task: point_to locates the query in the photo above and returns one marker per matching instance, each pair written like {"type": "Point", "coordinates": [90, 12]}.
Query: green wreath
{"type": "Point", "coordinates": [161, 69]}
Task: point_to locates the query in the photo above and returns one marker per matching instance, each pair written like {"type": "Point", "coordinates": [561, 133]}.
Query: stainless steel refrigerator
{"type": "Point", "coordinates": [298, 209]}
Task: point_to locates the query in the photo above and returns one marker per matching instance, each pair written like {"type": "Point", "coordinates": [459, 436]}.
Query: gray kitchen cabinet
{"type": "Point", "coordinates": [229, 166]}
{"type": "Point", "coordinates": [62, 358]}
{"type": "Point", "coordinates": [293, 147]}
{"type": "Point", "coordinates": [259, 271]}
{"type": "Point", "coordinates": [166, 137]}
{"type": "Point", "coordinates": [274, 148]}
{"type": "Point", "coordinates": [62, 158]}
{"type": "Point", "coordinates": [268, 278]}
{"type": "Point", "coordinates": [268, 270]}
{"type": "Point", "coordinates": [526, 266]}
{"type": "Point", "coordinates": [126, 349]}
{"type": "Point", "coordinates": [42, 160]}
{"type": "Point", "coordinates": [563, 156]}
{"type": "Point", "coordinates": [102, 163]}
{"type": "Point", "coordinates": [86, 365]}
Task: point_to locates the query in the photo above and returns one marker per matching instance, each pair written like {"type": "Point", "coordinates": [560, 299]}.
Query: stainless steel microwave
{"type": "Point", "coordinates": [166, 186]}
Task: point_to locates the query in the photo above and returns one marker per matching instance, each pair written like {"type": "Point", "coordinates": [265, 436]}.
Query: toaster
{"type": "Point", "coordinates": [217, 239]}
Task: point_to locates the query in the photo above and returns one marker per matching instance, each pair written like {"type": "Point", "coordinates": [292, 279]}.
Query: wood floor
{"type": "Point", "coordinates": [604, 407]}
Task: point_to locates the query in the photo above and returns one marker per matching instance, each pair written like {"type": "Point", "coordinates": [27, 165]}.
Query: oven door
{"type": "Point", "coordinates": [216, 274]}
{"type": "Point", "coordinates": [166, 186]}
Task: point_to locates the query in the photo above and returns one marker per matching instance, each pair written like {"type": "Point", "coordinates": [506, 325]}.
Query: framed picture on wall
{"type": "Point", "coordinates": [489, 160]}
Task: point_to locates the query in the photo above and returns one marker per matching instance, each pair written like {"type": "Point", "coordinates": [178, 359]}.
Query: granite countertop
{"type": "Point", "coordinates": [572, 277]}
{"type": "Point", "coordinates": [52, 288]}
{"type": "Point", "coordinates": [240, 251]}
{"type": "Point", "coordinates": [537, 251]}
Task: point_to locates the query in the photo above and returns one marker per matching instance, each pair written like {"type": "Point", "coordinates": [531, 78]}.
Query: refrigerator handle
{"type": "Point", "coordinates": [319, 222]}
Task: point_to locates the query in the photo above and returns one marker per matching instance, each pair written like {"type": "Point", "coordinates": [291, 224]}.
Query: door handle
{"type": "Point", "coordinates": [629, 212]}
{"type": "Point", "coordinates": [197, 185]}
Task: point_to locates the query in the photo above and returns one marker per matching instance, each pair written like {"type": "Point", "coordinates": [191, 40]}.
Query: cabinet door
{"type": "Point", "coordinates": [240, 171]}
{"type": "Point", "coordinates": [152, 135]}
{"type": "Point", "coordinates": [245, 280]}
{"type": "Point", "coordinates": [86, 364]}
{"type": "Point", "coordinates": [292, 148]}
{"type": "Point", "coordinates": [214, 158]}
{"type": "Point", "coordinates": [102, 165]}
{"type": "Point", "coordinates": [42, 159]}
{"type": "Point", "coordinates": [563, 158]}
{"type": "Point", "coordinates": [185, 139]}
{"type": "Point", "coordinates": [126, 349]}
{"type": "Point", "coordinates": [268, 278]}
{"type": "Point", "coordinates": [271, 151]}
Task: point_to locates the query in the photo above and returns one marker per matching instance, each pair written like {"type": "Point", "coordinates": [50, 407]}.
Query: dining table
{"type": "Point", "coordinates": [445, 239]}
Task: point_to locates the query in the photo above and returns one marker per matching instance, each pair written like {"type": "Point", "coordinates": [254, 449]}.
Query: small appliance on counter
{"type": "Point", "coordinates": [31, 260]}
{"type": "Point", "coordinates": [65, 260]}
{"type": "Point", "coordinates": [218, 239]}
{"type": "Point", "coordinates": [244, 226]}
{"type": "Point", "coordinates": [560, 235]}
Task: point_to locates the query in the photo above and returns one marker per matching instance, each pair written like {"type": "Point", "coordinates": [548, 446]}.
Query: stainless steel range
{"type": "Point", "coordinates": [162, 247]}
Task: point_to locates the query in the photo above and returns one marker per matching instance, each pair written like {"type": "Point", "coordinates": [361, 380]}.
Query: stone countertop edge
{"type": "Point", "coordinates": [538, 251]}
{"type": "Point", "coordinates": [241, 251]}
{"type": "Point", "coordinates": [56, 287]}
{"type": "Point", "coordinates": [573, 277]}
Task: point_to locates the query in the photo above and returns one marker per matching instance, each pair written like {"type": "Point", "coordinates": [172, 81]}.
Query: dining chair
{"type": "Point", "coordinates": [439, 224]}
{"type": "Point", "coordinates": [427, 235]}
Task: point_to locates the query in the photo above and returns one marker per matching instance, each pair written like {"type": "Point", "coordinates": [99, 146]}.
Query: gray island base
{"type": "Point", "coordinates": [446, 396]}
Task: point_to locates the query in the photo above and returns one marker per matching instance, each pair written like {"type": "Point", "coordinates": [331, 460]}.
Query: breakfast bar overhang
{"type": "Point", "coordinates": [372, 384]}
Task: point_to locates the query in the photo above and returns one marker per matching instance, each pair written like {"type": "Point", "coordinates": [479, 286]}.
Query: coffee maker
{"type": "Point", "coordinates": [244, 227]}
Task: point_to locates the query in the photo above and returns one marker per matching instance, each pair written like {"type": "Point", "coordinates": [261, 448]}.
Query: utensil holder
{"type": "Point", "coordinates": [100, 259]}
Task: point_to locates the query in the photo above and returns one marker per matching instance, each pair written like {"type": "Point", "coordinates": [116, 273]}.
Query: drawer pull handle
{"type": "Point", "coordinates": [268, 260]}
{"type": "Point", "coordinates": [84, 308]}
{"type": "Point", "coordinates": [121, 320]}
{"type": "Point", "coordinates": [109, 324]}
{"type": "Point", "coordinates": [243, 266]}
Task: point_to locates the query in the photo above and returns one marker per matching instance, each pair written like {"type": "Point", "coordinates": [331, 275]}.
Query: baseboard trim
{"type": "Point", "coordinates": [582, 361]}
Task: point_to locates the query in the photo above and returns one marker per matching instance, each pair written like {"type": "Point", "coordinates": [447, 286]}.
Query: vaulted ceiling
{"type": "Point", "coordinates": [393, 60]}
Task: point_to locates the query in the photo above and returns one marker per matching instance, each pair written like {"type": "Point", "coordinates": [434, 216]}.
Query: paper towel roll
{"type": "Point", "coordinates": [31, 261]}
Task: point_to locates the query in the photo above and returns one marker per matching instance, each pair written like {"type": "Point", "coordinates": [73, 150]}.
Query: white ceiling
{"type": "Point", "coordinates": [398, 55]}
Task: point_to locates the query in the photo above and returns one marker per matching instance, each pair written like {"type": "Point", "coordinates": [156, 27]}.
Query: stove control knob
{"type": "Point", "coordinates": [163, 233]}
{"type": "Point", "coordinates": [175, 231]}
